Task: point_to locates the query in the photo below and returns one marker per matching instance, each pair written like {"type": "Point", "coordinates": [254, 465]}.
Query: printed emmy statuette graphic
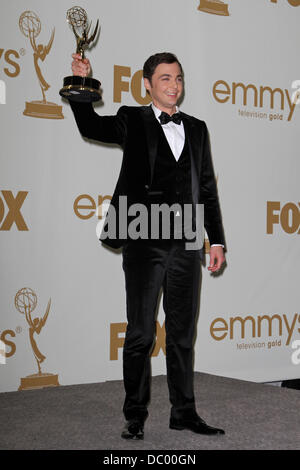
{"type": "Point", "coordinates": [25, 302]}
{"type": "Point", "coordinates": [76, 88]}
{"type": "Point", "coordinates": [216, 7]}
{"type": "Point", "coordinates": [30, 26]}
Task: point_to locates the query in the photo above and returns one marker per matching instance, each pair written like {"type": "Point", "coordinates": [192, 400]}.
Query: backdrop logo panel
{"type": "Point", "coordinates": [287, 216]}
{"type": "Point", "coordinates": [135, 85]}
{"type": "Point", "coordinates": [14, 215]}
{"type": "Point", "coordinates": [117, 332]}
{"type": "Point", "coordinates": [256, 96]}
{"type": "Point", "coordinates": [30, 26]}
{"type": "Point", "coordinates": [252, 348]}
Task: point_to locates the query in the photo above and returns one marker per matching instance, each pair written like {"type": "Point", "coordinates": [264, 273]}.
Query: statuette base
{"type": "Point", "coordinates": [35, 381]}
{"type": "Point", "coordinates": [81, 89]}
{"type": "Point", "coordinates": [216, 7]}
{"type": "Point", "coordinates": [43, 109]}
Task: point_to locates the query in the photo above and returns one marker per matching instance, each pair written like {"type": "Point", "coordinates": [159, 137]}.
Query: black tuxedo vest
{"type": "Point", "coordinates": [171, 185]}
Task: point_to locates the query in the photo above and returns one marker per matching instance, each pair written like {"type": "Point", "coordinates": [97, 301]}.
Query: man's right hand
{"type": "Point", "coordinates": [80, 67]}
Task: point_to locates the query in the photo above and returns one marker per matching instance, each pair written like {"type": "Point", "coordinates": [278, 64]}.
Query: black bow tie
{"type": "Point", "coordinates": [165, 118]}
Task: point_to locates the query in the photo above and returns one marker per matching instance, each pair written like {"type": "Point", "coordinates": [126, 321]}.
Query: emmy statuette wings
{"type": "Point", "coordinates": [76, 88]}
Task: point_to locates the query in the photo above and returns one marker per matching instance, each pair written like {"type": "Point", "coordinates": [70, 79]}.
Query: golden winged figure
{"type": "Point", "coordinates": [39, 53]}
{"type": "Point", "coordinates": [35, 326]}
{"type": "Point", "coordinates": [84, 40]}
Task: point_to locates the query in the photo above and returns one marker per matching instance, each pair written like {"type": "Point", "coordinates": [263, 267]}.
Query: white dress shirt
{"type": "Point", "coordinates": [175, 136]}
{"type": "Point", "coordinates": [174, 133]}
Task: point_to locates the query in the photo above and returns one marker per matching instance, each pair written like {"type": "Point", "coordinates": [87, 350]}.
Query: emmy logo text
{"type": "Point", "coordinates": [14, 68]}
{"type": "Point", "coordinates": [258, 96]}
{"type": "Point", "coordinates": [85, 206]}
{"type": "Point", "coordinates": [253, 326]}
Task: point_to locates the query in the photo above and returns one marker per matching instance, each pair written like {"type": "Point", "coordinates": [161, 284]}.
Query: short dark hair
{"type": "Point", "coordinates": [156, 59]}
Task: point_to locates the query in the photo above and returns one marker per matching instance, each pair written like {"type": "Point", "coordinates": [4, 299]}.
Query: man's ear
{"type": "Point", "coordinates": [147, 84]}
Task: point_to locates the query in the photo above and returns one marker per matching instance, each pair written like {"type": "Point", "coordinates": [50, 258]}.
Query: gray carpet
{"type": "Point", "coordinates": [89, 416]}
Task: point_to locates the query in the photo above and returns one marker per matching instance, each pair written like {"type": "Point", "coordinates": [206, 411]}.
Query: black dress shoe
{"type": "Point", "coordinates": [134, 429]}
{"type": "Point", "coordinates": [196, 425]}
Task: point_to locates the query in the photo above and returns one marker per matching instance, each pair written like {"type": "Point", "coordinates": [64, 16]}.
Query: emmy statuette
{"type": "Point", "coordinates": [76, 88]}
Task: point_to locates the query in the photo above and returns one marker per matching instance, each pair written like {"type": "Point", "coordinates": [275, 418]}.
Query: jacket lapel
{"type": "Point", "coordinates": [192, 139]}
{"type": "Point", "coordinates": [151, 130]}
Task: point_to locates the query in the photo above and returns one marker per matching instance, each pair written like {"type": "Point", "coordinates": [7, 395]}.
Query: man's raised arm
{"type": "Point", "coordinates": [108, 129]}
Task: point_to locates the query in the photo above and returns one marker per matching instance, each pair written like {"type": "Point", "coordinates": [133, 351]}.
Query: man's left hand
{"type": "Point", "coordinates": [217, 258]}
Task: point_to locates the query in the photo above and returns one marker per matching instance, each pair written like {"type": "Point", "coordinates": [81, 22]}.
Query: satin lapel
{"type": "Point", "coordinates": [193, 141]}
{"type": "Point", "coordinates": [151, 129]}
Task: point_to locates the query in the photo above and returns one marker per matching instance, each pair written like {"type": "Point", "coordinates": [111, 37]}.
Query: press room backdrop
{"type": "Point", "coordinates": [62, 293]}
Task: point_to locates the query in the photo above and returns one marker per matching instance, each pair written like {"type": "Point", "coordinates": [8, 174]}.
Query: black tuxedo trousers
{"type": "Point", "coordinates": [149, 266]}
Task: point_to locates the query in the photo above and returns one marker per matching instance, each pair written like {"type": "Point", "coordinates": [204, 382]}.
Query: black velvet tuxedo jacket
{"type": "Point", "coordinates": [136, 130]}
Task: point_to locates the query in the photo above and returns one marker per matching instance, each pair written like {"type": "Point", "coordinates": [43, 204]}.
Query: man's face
{"type": "Point", "coordinates": [166, 86]}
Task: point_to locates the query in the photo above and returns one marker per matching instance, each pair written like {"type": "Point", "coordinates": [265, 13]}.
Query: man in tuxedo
{"type": "Point", "coordinates": [166, 160]}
